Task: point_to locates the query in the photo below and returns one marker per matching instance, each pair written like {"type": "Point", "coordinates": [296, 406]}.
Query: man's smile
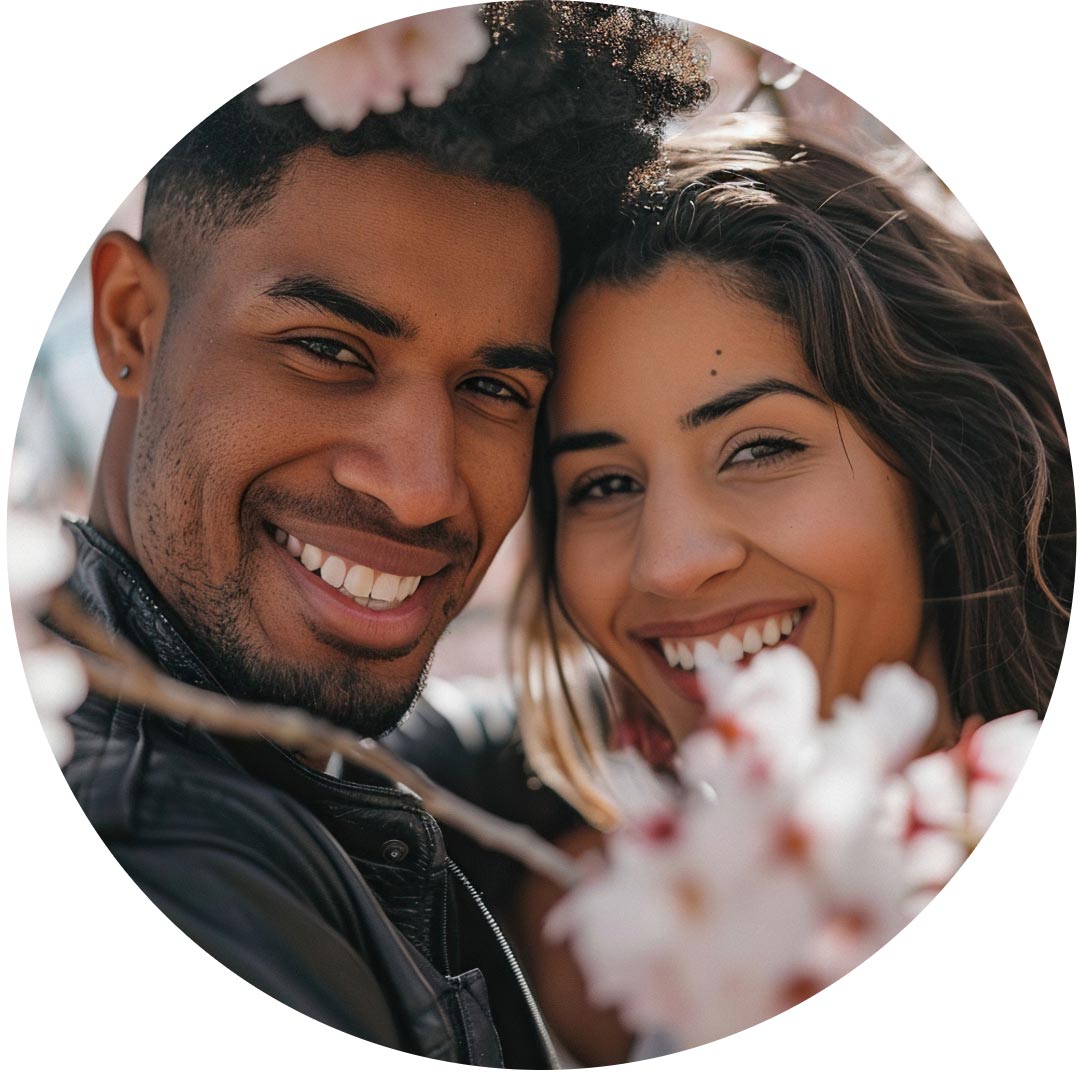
{"type": "Point", "coordinates": [386, 629]}
{"type": "Point", "coordinates": [369, 586]}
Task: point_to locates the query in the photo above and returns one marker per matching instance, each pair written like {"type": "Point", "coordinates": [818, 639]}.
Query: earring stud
{"type": "Point", "coordinates": [124, 372]}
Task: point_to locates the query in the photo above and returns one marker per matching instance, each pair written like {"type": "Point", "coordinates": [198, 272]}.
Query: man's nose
{"type": "Point", "coordinates": [683, 541]}
{"type": "Point", "coordinates": [406, 457]}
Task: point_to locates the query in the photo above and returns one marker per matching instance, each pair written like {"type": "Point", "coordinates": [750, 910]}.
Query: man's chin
{"type": "Point", "coordinates": [351, 699]}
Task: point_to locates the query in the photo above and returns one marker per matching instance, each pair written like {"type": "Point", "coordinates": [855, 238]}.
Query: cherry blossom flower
{"type": "Point", "coordinates": [945, 802]}
{"type": "Point", "coordinates": [40, 557]}
{"type": "Point", "coordinates": [786, 850]}
{"type": "Point", "coordinates": [422, 57]}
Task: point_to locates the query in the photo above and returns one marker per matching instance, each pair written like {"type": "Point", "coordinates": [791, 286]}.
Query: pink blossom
{"type": "Point", "coordinates": [789, 850]}
{"type": "Point", "coordinates": [40, 557]}
{"type": "Point", "coordinates": [58, 686]}
{"type": "Point", "coordinates": [995, 754]}
{"type": "Point", "coordinates": [891, 719]}
{"type": "Point", "coordinates": [767, 711]}
{"type": "Point", "coordinates": [422, 57]}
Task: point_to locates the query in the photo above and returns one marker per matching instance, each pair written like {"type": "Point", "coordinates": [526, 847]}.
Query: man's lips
{"type": "Point", "coordinates": [368, 549]}
{"type": "Point", "coordinates": [381, 626]}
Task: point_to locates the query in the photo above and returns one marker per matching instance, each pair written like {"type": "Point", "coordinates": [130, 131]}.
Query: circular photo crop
{"type": "Point", "coordinates": [541, 535]}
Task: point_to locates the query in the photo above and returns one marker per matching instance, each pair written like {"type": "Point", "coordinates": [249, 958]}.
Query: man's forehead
{"type": "Point", "coordinates": [393, 216]}
{"type": "Point", "coordinates": [426, 247]}
{"type": "Point", "coordinates": [397, 188]}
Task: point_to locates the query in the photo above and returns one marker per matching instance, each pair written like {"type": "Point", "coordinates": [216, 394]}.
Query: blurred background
{"type": "Point", "coordinates": [68, 401]}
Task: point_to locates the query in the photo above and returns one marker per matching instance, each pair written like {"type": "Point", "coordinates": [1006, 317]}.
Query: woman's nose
{"type": "Point", "coordinates": [683, 541]}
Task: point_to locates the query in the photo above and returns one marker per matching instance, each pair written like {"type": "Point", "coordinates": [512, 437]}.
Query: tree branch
{"type": "Point", "coordinates": [116, 669]}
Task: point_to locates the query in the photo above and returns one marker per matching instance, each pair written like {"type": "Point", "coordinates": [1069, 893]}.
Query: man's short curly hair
{"type": "Point", "coordinates": [569, 104]}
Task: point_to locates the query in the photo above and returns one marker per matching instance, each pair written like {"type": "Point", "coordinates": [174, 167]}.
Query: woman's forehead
{"type": "Point", "coordinates": [666, 344]}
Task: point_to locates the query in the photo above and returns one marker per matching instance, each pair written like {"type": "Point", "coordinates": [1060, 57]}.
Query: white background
{"type": "Point", "coordinates": [97, 982]}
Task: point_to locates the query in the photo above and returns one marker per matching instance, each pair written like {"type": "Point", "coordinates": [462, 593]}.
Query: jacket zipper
{"type": "Point", "coordinates": [511, 959]}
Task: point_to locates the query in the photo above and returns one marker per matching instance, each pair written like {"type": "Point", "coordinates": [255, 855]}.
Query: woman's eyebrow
{"type": "Point", "coordinates": [583, 440]}
{"type": "Point", "coordinates": [743, 395]}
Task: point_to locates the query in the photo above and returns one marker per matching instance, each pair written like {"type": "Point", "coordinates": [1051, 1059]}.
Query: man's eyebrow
{"type": "Point", "coordinates": [314, 292]}
{"type": "Point", "coordinates": [743, 395]}
{"type": "Point", "coordinates": [524, 357]}
{"type": "Point", "coordinates": [583, 440]}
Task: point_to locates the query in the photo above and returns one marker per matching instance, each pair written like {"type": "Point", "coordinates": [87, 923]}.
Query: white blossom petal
{"type": "Point", "coordinates": [421, 58]}
{"type": "Point", "coordinates": [893, 716]}
{"type": "Point", "coordinates": [937, 789]}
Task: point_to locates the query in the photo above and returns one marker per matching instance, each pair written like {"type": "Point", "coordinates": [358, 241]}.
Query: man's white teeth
{"type": "Point", "coordinates": [731, 647]}
{"type": "Point", "coordinates": [385, 587]}
{"type": "Point", "coordinates": [369, 588]}
{"type": "Point", "coordinates": [333, 571]}
{"type": "Point", "coordinates": [359, 580]}
{"type": "Point", "coordinates": [311, 557]}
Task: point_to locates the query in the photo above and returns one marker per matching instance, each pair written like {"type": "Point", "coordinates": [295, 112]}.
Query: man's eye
{"type": "Point", "coordinates": [329, 351]}
{"type": "Point", "coordinates": [489, 387]}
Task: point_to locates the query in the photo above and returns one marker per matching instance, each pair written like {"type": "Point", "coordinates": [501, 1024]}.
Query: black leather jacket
{"type": "Point", "coordinates": [335, 896]}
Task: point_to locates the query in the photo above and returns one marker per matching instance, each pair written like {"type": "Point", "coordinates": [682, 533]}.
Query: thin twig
{"type": "Point", "coordinates": [116, 669]}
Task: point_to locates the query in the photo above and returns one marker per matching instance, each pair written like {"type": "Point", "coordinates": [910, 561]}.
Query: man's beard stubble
{"type": "Point", "coordinates": [347, 696]}
{"type": "Point", "coordinates": [222, 625]}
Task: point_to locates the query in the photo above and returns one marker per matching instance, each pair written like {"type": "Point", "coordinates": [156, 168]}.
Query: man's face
{"type": "Point", "coordinates": [337, 427]}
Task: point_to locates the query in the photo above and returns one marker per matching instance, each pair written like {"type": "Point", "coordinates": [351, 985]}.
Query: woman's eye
{"type": "Point", "coordinates": [330, 351]}
{"type": "Point", "coordinates": [599, 488]}
{"type": "Point", "coordinates": [489, 387]}
{"type": "Point", "coordinates": [762, 450]}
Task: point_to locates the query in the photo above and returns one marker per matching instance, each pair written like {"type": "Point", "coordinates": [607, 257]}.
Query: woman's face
{"type": "Point", "coordinates": [711, 497]}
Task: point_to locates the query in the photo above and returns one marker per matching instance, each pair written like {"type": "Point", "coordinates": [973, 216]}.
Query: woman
{"type": "Point", "coordinates": [790, 407]}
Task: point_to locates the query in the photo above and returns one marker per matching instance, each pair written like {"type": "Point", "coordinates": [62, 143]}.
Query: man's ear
{"type": "Point", "coordinates": [131, 299]}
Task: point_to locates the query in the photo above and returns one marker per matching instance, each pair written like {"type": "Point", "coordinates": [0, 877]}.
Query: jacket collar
{"type": "Point", "coordinates": [111, 586]}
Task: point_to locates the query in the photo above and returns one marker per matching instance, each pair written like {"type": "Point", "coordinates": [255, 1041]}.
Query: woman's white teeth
{"type": "Point", "coordinates": [368, 587]}
{"type": "Point", "coordinates": [705, 653]}
{"type": "Point", "coordinates": [731, 647]}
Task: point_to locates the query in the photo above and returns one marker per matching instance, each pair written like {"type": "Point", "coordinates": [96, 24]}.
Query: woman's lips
{"type": "Point", "coordinates": [671, 656]}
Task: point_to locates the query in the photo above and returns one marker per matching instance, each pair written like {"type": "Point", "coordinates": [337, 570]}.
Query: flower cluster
{"type": "Point", "coordinates": [424, 57]}
{"type": "Point", "coordinates": [785, 850]}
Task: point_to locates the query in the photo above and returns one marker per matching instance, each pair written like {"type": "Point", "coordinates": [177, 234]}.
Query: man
{"type": "Point", "coordinates": [328, 352]}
